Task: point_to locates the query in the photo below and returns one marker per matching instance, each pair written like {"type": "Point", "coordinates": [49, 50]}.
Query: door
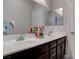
{"type": "Point", "coordinates": [71, 29]}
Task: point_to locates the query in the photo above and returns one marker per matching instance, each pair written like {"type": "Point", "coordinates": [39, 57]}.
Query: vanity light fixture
{"type": "Point", "coordinates": [42, 2]}
{"type": "Point", "coordinates": [59, 11]}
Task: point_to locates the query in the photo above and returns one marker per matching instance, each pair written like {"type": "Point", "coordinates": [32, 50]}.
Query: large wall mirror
{"type": "Point", "coordinates": [54, 18]}
{"type": "Point", "coordinates": [20, 15]}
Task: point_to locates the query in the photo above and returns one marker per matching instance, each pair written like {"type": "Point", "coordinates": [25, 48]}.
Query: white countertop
{"type": "Point", "coordinates": [13, 46]}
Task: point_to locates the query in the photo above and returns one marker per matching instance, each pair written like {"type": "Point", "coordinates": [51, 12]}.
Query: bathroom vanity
{"type": "Point", "coordinates": [50, 47]}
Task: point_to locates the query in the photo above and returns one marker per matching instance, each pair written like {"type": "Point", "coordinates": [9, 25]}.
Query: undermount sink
{"type": "Point", "coordinates": [12, 40]}
{"type": "Point", "coordinates": [15, 36]}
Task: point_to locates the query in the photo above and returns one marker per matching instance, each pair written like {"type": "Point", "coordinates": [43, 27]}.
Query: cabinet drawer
{"type": "Point", "coordinates": [52, 44]}
{"type": "Point", "coordinates": [61, 40]}
{"type": "Point", "coordinates": [53, 51]}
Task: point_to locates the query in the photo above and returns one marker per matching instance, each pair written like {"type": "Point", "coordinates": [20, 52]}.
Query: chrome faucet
{"type": "Point", "coordinates": [49, 33]}
{"type": "Point", "coordinates": [21, 37]}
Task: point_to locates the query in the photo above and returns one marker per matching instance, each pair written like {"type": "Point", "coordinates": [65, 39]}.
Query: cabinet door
{"type": "Point", "coordinates": [53, 53]}
{"type": "Point", "coordinates": [26, 54]}
{"type": "Point", "coordinates": [41, 50]}
{"type": "Point", "coordinates": [7, 57]}
{"type": "Point", "coordinates": [53, 56]}
{"type": "Point", "coordinates": [63, 49]}
{"type": "Point", "coordinates": [59, 52]}
{"type": "Point", "coordinates": [44, 56]}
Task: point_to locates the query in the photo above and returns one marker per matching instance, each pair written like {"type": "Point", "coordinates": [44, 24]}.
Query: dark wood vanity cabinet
{"type": "Point", "coordinates": [52, 50]}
